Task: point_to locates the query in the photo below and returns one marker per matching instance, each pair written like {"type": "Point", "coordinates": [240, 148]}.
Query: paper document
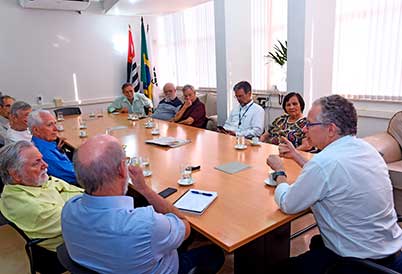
{"type": "Point", "coordinates": [232, 167]}
{"type": "Point", "coordinates": [196, 200]}
{"type": "Point", "coordinates": [168, 141]}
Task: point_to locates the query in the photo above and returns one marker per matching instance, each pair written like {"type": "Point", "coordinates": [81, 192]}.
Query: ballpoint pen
{"type": "Point", "coordinates": [202, 193]}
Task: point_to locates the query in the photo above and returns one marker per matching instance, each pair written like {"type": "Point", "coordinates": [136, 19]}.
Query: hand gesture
{"type": "Point", "coordinates": [123, 110]}
{"type": "Point", "coordinates": [286, 149]}
{"type": "Point", "coordinates": [188, 103]}
{"type": "Point", "coordinates": [60, 143]}
{"type": "Point", "coordinates": [137, 179]}
{"type": "Point", "coordinates": [274, 162]}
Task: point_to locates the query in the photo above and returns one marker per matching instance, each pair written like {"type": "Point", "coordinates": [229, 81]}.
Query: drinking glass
{"type": "Point", "coordinates": [185, 173]}
{"type": "Point", "coordinates": [60, 116]}
{"type": "Point", "coordinates": [240, 140]}
{"type": "Point", "coordinates": [146, 166]}
{"type": "Point", "coordinates": [83, 124]}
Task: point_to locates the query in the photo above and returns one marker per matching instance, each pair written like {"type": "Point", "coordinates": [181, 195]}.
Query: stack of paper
{"type": "Point", "coordinates": [196, 200]}
{"type": "Point", "coordinates": [168, 141]}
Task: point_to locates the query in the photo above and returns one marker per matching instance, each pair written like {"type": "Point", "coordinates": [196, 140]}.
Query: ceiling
{"type": "Point", "coordinates": [150, 7]}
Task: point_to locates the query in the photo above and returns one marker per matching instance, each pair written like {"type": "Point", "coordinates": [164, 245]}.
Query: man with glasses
{"type": "Point", "coordinates": [5, 106]}
{"type": "Point", "coordinates": [347, 187]}
{"type": "Point", "coordinates": [246, 119]}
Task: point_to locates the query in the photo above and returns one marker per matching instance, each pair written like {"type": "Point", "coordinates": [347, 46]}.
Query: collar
{"type": "Point", "coordinates": [101, 202]}
{"type": "Point", "coordinates": [340, 141]}
{"type": "Point", "coordinates": [35, 191]}
{"type": "Point", "coordinates": [248, 104]}
{"type": "Point", "coordinates": [40, 141]}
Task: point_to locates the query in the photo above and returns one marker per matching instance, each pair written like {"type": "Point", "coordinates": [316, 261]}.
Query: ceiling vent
{"type": "Point", "coordinates": [76, 5]}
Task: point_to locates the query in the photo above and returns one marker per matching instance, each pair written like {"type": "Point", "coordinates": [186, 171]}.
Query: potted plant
{"type": "Point", "coordinates": [280, 53]}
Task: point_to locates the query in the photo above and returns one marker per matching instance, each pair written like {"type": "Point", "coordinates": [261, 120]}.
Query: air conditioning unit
{"type": "Point", "coordinates": [76, 5]}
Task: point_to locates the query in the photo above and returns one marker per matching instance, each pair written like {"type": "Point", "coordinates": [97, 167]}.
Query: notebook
{"type": "Point", "coordinates": [195, 200]}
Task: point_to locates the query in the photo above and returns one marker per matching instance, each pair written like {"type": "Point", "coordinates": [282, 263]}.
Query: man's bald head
{"type": "Point", "coordinates": [170, 91]}
{"type": "Point", "coordinates": [97, 162]}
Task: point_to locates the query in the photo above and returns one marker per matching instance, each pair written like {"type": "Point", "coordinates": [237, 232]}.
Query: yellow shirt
{"type": "Point", "coordinates": [37, 210]}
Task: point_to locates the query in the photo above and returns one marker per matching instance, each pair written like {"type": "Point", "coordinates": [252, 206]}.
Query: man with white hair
{"type": "Point", "coordinates": [169, 106]}
{"type": "Point", "coordinates": [42, 124]}
{"type": "Point", "coordinates": [30, 199]}
{"type": "Point", "coordinates": [19, 123]}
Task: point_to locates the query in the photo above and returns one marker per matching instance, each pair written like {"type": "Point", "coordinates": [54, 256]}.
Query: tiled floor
{"type": "Point", "coordinates": [13, 259]}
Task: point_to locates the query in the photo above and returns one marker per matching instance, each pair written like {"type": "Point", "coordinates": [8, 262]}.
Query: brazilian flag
{"type": "Point", "coordinates": [146, 78]}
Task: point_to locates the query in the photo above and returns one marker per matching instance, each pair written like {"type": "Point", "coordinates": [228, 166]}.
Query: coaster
{"type": "Point", "coordinates": [186, 182]}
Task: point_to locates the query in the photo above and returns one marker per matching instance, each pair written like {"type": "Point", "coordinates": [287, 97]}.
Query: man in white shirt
{"type": "Point", "coordinates": [347, 187]}
{"type": "Point", "coordinates": [5, 105]}
{"type": "Point", "coordinates": [246, 119]}
{"type": "Point", "coordinates": [19, 123]}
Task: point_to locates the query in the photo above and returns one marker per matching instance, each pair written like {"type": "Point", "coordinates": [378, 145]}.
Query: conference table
{"type": "Point", "coordinates": [244, 218]}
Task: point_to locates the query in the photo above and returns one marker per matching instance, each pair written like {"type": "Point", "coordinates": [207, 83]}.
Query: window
{"type": "Point", "coordinates": [368, 49]}
{"type": "Point", "coordinates": [186, 47]}
{"type": "Point", "coordinates": [269, 24]}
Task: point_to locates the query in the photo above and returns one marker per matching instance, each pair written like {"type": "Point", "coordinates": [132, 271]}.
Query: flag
{"type": "Point", "coordinates": [146, 77]}
{"type": "Point", "coordinates": [132, 70]}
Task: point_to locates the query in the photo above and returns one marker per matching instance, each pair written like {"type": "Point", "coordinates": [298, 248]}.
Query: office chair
{"type": "Point", "coordinates": [68, 111]}
{"type": "Point", "coordinates": [40, 259]}
{"type": "Point", "coordinates": [69, 264]}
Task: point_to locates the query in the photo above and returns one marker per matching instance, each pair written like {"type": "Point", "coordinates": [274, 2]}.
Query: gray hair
{"type": "Point", "coordinates": [100, 171]}
{"type": "Point", "coordinates": [17, 106]}
{"type": "Point", "coordinates": [35, 119]}
{"type": "Point", "coordinates": [3, 97]}
{"type": "Point", "coordinates": [340, 111]}
{"type": "Point", "coordinates": [186, 87]}
{"type": "Point", "coordinates": [10, 158]}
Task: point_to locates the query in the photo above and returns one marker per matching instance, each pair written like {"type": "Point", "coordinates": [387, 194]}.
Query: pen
{"type": "Point", "coordinates": [202, 193]}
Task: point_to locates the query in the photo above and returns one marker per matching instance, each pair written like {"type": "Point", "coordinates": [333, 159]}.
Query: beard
{"type": "Point", "coordinates": [42, 178]}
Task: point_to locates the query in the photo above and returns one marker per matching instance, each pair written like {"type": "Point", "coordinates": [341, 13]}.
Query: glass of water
{"type": "Point", "coordinates": [240, 140]}
{"type": "Point", "coordinates": [60, 116]}
{"type": "Point", "coordinates": [146, 166]}
{"type": "Point", "coordinates": [185, 173]}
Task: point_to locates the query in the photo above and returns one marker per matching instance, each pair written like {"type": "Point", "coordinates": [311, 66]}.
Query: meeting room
{"type": "Point", "coordinates": [201, 136]}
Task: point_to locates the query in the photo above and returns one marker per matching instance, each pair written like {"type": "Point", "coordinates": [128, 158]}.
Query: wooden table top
{"type": "Point", "coordinates": [244, 209]}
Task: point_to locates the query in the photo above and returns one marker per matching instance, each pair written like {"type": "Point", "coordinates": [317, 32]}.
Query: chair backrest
{"type": "Point", "coordinates": [68, 111]}
{"type": "Point", "coordinates": [69, 264]}
{"type": "Point", "coordinates": [395, 127]}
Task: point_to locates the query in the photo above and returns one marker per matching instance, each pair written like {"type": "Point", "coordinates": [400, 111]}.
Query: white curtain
{"type": "Point", "coordinates": [269, 24]}
{"type": "Point", "coordinates": [185, 43]}
{"type": "Point", "coordinates": [368, 49]}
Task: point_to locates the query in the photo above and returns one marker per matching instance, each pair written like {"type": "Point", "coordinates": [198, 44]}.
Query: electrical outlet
{"type": "Point", "coordinates": [39, 99]}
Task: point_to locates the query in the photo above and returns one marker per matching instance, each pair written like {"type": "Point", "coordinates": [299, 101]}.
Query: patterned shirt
{"type": "Point", "coordinates": [292, 131]}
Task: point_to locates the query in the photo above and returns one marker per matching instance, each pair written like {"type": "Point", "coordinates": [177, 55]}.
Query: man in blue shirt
{"type": "Point", "coordinates": [347, 187]}
{"type": "Point", "coordinates": [169, 106]}
{"type": "Point", "coordinates": [104, 232]}
{"type": "Point", "coordinates": [131, 102]}
{"type": "Point", "coordinates": [42, 124]}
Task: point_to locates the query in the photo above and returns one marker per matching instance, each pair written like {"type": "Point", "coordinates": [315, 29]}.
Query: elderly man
{"type": "Point", "coordinates": [169, 106]}
{"type": "Point", "coordinates": [42, 124]}
{"type": "Point", "coordinates": [246, 119]}
{"type": "Point", "coordinates": [192, 112]}
{"type": "Point", "coordinates": [104, 232]}
{"type": "Point", "coordinates": [5, 107]}
{"type": "Point", "coordinates": [131, 102]}
{"type": "Point", "coordinates": [31, 199]}
{"type": "Point", "coordinates": [347, 187]}
{"type": "Point", "coordinates": [19, 123]}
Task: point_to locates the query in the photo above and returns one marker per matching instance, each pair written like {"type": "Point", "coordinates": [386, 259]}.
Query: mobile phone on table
{"type": "Point", "coordinates": [195, 167]}
{"type": "Point", "coordinates": [167, 192]}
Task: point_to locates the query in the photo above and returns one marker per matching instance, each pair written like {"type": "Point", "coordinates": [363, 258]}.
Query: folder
{"type": "Point", "coordinates": [195, 200]}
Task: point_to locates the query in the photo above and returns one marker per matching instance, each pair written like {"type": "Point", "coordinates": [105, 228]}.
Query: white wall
{"type": "Point", "coordinates": [40, 50]}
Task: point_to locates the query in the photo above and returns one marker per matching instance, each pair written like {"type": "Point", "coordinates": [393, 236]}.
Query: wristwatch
{"type": "Point", "coordinates": [278, 173]}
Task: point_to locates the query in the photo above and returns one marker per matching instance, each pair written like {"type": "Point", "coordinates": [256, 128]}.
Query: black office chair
{"type": "Point", "coordinates": [69, 264]}
{"type": "Point", "coordinates": [68, 111]}
{"type": "Point", "coordinates": [40, 259]}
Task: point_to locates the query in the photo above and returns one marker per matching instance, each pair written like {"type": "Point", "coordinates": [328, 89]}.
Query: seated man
{"type": "Point", "coordinates": [246, 119]}
{"type": "Point", "coordinates": [169, 106]}
{"type": "Point", "coordinates": [31, 199]}
{"type": "Point", "coordinates": [192, 112]}
{"type": "Point", "coordinates": [104, 232]}
{"type": "Point", "coordinates": [131, 102]}
{"type": "Point", "coordinates": [42, 124]}
{"type": "Point", "coordinates": [19, 123]}
{"type": "Point", "coordinates": [5, 107]}
{"type": "Point", "coordinates": [347, 187]}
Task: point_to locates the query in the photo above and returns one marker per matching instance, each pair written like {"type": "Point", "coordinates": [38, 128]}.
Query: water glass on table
{"type": "Point", "coordinates": [60, 116]}
{"type": "Point", "coordinates": [240, 140]}
{"type": "Point", "coordinates": [185, 173]}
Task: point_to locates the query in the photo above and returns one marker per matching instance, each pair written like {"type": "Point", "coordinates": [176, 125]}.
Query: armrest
{"type": "Point", "coordinates": [386, 145]}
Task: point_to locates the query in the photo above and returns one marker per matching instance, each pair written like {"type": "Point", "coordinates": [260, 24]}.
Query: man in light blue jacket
{"type": "Point", "coordinates": [131, 102]}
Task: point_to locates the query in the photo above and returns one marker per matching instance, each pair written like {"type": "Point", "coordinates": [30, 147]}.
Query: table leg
{"type": "Point", "coordinates": [259, 255]}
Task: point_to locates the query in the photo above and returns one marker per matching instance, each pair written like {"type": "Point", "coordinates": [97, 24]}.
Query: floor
{"type": "Point", "coordinates": [13, 258]}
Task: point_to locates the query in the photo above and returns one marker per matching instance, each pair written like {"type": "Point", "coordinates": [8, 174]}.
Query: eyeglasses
{"type": "Point", "coordinates": [309, 124]}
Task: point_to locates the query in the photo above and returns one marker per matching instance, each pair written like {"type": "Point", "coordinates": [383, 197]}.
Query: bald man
{"type": "Point", "coordinates": [104, 232]}
{"type": "Point", "coordinates": [169, 106]}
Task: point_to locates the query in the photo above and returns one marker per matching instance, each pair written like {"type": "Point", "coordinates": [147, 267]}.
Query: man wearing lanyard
{"type": "Point", "coordinates": [246, 119]}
